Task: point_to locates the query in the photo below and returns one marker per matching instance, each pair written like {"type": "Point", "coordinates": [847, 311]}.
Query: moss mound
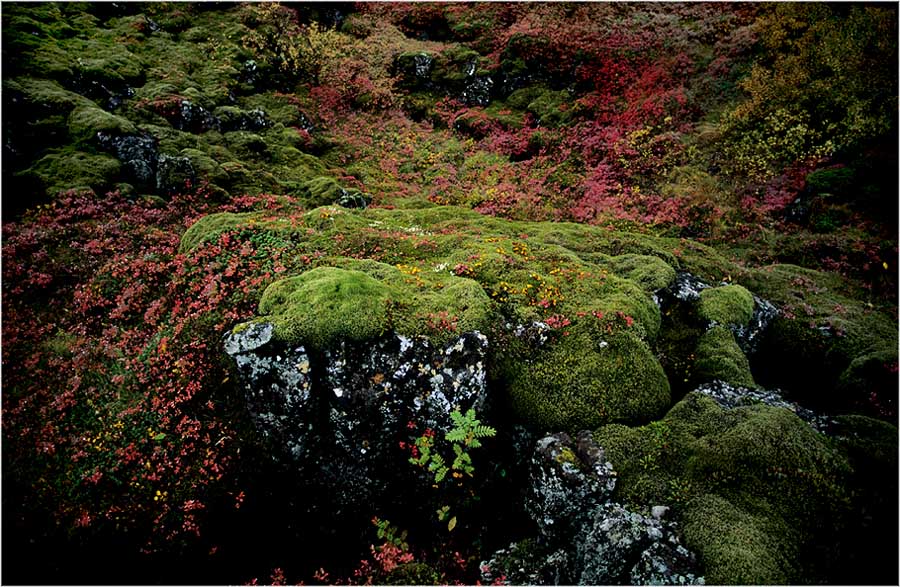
{"type": "Point", "coordinates": [729, 304]}
{"type": "Point", "coordinates": [86, 121]}
{"type": "Point", "coordinates": [763, 497]}
{"type": "Point", "coordinates": [365, 300]}
{"type": "Point", "coordinates": [736, 548]}
{"type": "Point", "coordinates": [651, 273]}
{"type": "Point", "coordinates": [73, 169]}
{"type": "Point", "coordinates": [580, 383]}
{"type": "Point", "coordinates": [823, 336]}
{"type": "Point", "coordinates": [720, 357]}
{"type": "Point", "coordinates": [325, 191]}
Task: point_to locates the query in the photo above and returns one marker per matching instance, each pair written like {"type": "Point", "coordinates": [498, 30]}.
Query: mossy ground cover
{"type": "Point", "coordinates": [602, 156]}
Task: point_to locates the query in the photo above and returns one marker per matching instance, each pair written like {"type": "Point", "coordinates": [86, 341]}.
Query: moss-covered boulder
{"type": "Point", "coordinates": [86, 121]}
{"type": "Point", "coordinates": [365, 300]}
{"type": "Point", "coordinates": [551, 108]}
{"type": "Point", "coordinates": [718, 357]}
{"type": "Point", "coordinates": [580, 382]}
{"type": "Point", "coordinates": [651, 273]}
{"type": "Point", "coordinates": [737, 548]}
{"type": "Point", "coordinates": [70, 169]}
{"type": "Point", "coordinates": [729, 305]}
{"type": "Point", "coordinates": [762, 496]}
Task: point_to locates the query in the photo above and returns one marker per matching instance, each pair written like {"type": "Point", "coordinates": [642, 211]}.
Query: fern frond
{"type": "Point", "coordinates": [482, 431]}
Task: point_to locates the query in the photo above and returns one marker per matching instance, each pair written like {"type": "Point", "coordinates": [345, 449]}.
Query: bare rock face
{"type": "Point", "coordinates": [619, 546]}
{"type": "Point", "coordinates": [568, 478]}
{"type": "Point", "coordinates": [585, 538]}
{"type": "Point", "coordinates": [341, 414]}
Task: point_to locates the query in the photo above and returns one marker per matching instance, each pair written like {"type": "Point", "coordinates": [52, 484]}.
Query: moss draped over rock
{"type": "Point", "coordinates": [720, 358]}
{"type": "Point", "coordinates": [762, 496]}
{"type": "Point", "coordinates": [581, 382]}
{"type": "Point", "coordinates": [443, 268]}
{"type": "Point", "coordinates": [367, 299]}
{"type": "Point", "coordinates": [729, 304]}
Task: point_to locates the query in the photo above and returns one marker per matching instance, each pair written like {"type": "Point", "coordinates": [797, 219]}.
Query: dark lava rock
{"type": "Point", "coordinates": [619, 546]}
{"type": "Point", "coordinates": [173, 173]}
{"type": "Point", "coordinates": [666, 564]}
{"type": "Point", "coordinates": [476, 88]}
{"type": "Point", "coordinates": [194, 118]}
{"type": "Point", "coordinates": [686, 288]}
{"type": "Point", "coordinates": [748, 337]}
{"type": "Point", "coordinates": [567, 479]}
{"type": "Point", "coordinates": [584, 538]}
{"type": "Point", "coordinates": [353, 199]}
{"type": "Point", "coordinates": [527, 563]}
{"type": "Point", "coordinates": [138, 154]}
{"type": "Point", "coordinates": [249, 73]}
{"type": "Point", "coordinates": [232, 119]}
{"type": "Point", "coordinates": [339, 415]}
{"type": "Point", "coordinates": [415, 66]}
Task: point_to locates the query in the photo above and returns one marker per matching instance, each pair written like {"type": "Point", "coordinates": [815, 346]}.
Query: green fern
{"type": "Point", "coordinates": [464, 436]}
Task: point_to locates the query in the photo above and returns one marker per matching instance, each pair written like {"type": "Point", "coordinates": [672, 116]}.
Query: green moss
{"type": "Point", "coordinates": [205, 166]}
{"type": "Point", "coordinates": [105, 60]}
{"type": "Point", "coordinates": [729, 304]}
{"type": "Point", "coordinates": [579, 383]}
{"type": "Point", "coordinates": [325, 305]}
{"type": "Point", "coordinates": [651, 273]}
{"type": "Point", "coordinates": [279, 109]}
{"type": "Point", "coordinates": [246, 145]}
{"type": "Point", "coordinates": [70, 169]}
{"type": "Point", "coordinates": [46, 95]}
{"type": "Point", "coordinates": [871, 444]}
{"type": "Point", "coordinates": [323, 191]}
{"type": "Point", "coordinates": [451, 66]}
{"type": "Point", "coordinates": [365, 300]}
{"type": "Point", "coordinates": [822, 329]}
{"type": "Point", "coordinates": [720, 358]}
{"type": "Point", "coordinates": [171, 140]}
{"type": "Point", "coordinates": [521, 98]}
{"type": "Point", "coordinates": [755, 478]}
{"type": "Point", "coordinates": [86, 121]}
{"type": "Point", "coordinates": [735, 547]}
{"type": "Point", "coordinates": [874, 371]}
{"type": "Point", "coordinates": [551, 108]}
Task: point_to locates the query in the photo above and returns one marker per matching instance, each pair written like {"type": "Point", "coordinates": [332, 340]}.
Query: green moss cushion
{"type": "Point", "coordinates": [366, 299]}
{"type": "Point", "coordinates": [729, 304]}
{"type": "Point", "coordinates": [760, 494]}
{"type": "Point", "coordinates": [580, 383]}
{"type": "Point", "coordinates": [720, 358]}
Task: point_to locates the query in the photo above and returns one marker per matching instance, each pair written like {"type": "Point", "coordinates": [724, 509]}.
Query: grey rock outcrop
{"type": "Point", "coordinates": [340, 414]}
{"type": "Point", "coordinates": [731, 396]}
{"type": "Point", "coordinates": [568, 478]}
{"type": "Point", "coordinates": [585, 538]}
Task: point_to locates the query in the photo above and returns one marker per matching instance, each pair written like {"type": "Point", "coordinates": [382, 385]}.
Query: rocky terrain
{"type": "Point", "coordinates": [449, 293]}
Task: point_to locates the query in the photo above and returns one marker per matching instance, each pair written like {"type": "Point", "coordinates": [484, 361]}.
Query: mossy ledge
{"type": "Point", "coordinates": [368, 299]}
